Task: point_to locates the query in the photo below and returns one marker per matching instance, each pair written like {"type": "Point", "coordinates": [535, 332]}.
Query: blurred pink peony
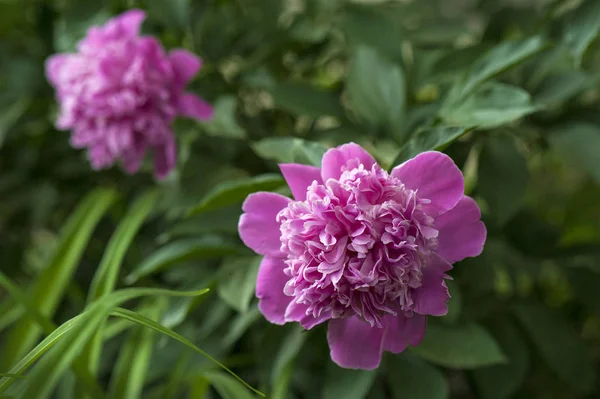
{"type": "Point", "coordinates": [120, 93]}
{"type": "Point", "coordinates": [361, 249]}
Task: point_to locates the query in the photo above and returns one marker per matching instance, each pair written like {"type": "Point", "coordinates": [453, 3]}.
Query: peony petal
{"type": "Point", "coordinates": [297, 312]}
{"type": "Point", "coordinates": [461, 232]}
{"type": "Point", "coordinates": [299, 177]}
{"type": "Point", "coordinates": [432, 296]}
{"type": "Point", "coordinates": [436, 177]}
{"type": "Point", "coordinates": [336, 160]}
{"type": "Point", "coordinates": [192, 106]}
{"type": "Point", "coordinates": [258, 226]}
{"type": "Point", "coordinates": [402, 331]}
{"type": "Point", "coordinates": [131, 21]}
{"type": "Point", "coordinates": [165, 159]}
{"type": "Point", "coordinates": [54, 65]}
{"type": "Point", "coordinates": [269, 290]}
{"type": "Point", "coordinates": [185, 64]}
{"type": "Point", "coordinates": [354, 344]}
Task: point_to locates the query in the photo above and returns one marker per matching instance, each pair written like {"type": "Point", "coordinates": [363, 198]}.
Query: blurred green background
{"type": "Point", "coordinates": [509, 89]}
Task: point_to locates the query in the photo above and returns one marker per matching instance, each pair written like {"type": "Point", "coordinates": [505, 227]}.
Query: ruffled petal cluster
{"type": "Point", "coordinates": [362, 249]}
{"type": "Point", "coordinates": [120, 92]}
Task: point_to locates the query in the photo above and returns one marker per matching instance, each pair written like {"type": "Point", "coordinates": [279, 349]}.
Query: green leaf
{"type": "Point", "coordinates": [492, 105]}
{"type": "Point", "coordinates": [558, 344]}
{"type": "Point", "coordinates": [303, 99]}
{"type": "Point", "coordinates": [237, 285]}
{"type": "Point", "coordinates": [10, 115]}
{"type": "Point", "coordinates": [174, 13]}
{"type": "Point", "coordinates": [144, 321]}
{"type": "Point", "coordinates": [76, 19]}
{"type": "Point", "coordinates": [581, 28]}
{"type": "Point", "coordinates": [50, 286]}
{"type": "Point", "coordinates": [290, 150]}
{"type": "Point", "coordinates": [497, 60]}
{"type": "Point", "coordinates": [562, 86]}
{"type": "Point", "coordinates": [227, 387]}
{"type": "Point", "coordinates": [289, 349]}
{"type": "Point", "coordinates": [377, 89]}
{"type": "Point", "coordinates": [585, 286]}
{"type": "Point", "coordinates": [224, 123]}
{"type": "Point", "coordinates": [411, 377]}
{"type": "Point", "coordinates": [347, 383]}
{"type": "Point", "coordinates": [179, 251]}
{"type": "Point", "coordinates": [132, 365]}
{"type": "Point", "coordinates": [460, 347]}
{"type": "Point", "coordinates": [578, 144]}
{"type": "Point", "coordinates": [503, 177]}
{"type": "Point", "coordinates": [234, 191]}
{"type": "Point", "coordinates": [503, 380]}
{"type": "Point", "coordinates": [454, 305]}
{"type": "Point", "coordinates": [434, 138]}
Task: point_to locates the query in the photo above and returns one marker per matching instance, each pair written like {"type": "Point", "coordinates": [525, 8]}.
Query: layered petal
{"type": "Point", "coordinates": [130, 22]}
{"type": "Point", "coordinates": [185, 65]}
{"type": "Point", "coordinates": [165, 159]}
{"type": "Point", "coordinates": [432, 296]}
{"type": "Point", "coordinates": [299, 177]}
{"type": "Point", "coordinates": [298, 312]}
{"type": "Point", "coordinates": [269, 290]}
{"type": "Point", "coordinates": [403, 331]}
{"type": "Point", "coordinates": [258, 226]}
{"type": "Point", "coordinates": [347, 156]}
{"type": "Point", "coordinates": [461, 232]}
{"type": "Point", "coordinates": [354, 344]}
{"type": "Point", "coordinates": [436, 177]}
{"type": "Point", "coordinates": [192, 106]}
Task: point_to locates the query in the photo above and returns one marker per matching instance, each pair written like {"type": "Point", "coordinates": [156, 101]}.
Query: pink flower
{"type": "Point", "coordinates": [362, 249]}
{"type": "Point", "coordinates": [120, 93]}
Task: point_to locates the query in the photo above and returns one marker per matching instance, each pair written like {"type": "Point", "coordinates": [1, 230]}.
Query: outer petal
{"type": "Point", "coordinates": [336, 160]}
{"type": "Point", "coordinates": [258, 226]}
{"type": "Point", "coordinates": [436, 177]}
{"type": "Point", "coordinates": [354, 344]}
{"type": "Point", "coordinates": [402, 331]}
{"type": "Point", "coordinates": [299, 177]}
{"type": "Point", "coordinates": [297, 312]}
{"type": "Point", "coordinates": [54, 65]}
{"type": "Point", "coordinates": [185, 64]}
{"type": "Point", "coordinates": [461, 233]}
{"type": "Point", "coordinates": [131, 21]}
{"type": "Point", "coordinates": [432, 296]}
{"type": "Point", "coordinates": [192, 106]}
{"type": "Point", "coordinates": [165, 159]}
{"type": "Point", "coordinates": [269, 290]}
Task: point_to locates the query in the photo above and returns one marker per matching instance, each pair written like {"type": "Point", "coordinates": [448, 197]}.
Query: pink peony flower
{"type": "Point", "coordinates": [120, 93]}
{"type": "Point", "coordinates": [361, 249]}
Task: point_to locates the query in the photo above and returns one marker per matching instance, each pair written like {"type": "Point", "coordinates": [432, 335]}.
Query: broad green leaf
{"type": "Point", "coordinates": [492, 105]}
{"type": "Point", "coordinates": [289, 150]}
{"type": "Point", "coordinates": [223, 122]}
{"type": "Point", "coordinates": [6, 375]}
{"type": "Point", "coordinates": [179, 251]}
{"type": "Point", "coordinates": [237, 285]}
{"type": "Point", "coordinates": [377, 89]}
{"type": "Point", "coordinates": [581, 28]}
{"type": "Point", "coordinates": [372, 27]}
{"type": "Point", "coordinates": [585, 286]}
{"type": "Point", "coordinates": [497, 60]}
{"type": "Point", "coordinates": [144, 321]}
{"type": "Point", "coordinates": [578, 144]}
{"type": "Point", "coordinates": [562, 86]}
{"type": "Point", "coordinates": [503, 177]}
{"type": "Point", "coordinates": [10, 115]}
{"type": "Point", "coordinates": [304, 99]}
{"type": "Point", "coordinates": [454, 305]}
{"type": "Point", "coordinates": [346, 383]}
{"type": "Point", "coordinates": [411, 377]}
{"type": "Point", "coordinates": [50, 286]}
{"type": "Point", "coordinates": [503, 380]}
{"type": "Point", "coordinates": [46, 373]}
{"type": "Point", "coordinates": [558, 344]}
{"type": "Point", "coordinates": [235, 191]}
{"type": "Point", "coordinates": [290, 347]}
{"type": "Point", "coordinates": [239, 325]}
{"type": "Point", "coordinates": [174, 13]}
{"type": "Point", "coordinates": [466, 346]}
{"type": "Point", "coordinates": [435, 138]}
{"type": "Point", "coordinates": [75, 20]}
{"type": "Point", "coordinates": [134, 359]}
{"type": "Point", "coordinates": [227, 387]}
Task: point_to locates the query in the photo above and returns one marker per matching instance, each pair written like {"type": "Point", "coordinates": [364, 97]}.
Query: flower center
{"type": "Point", "coordinates": [356, 245]}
